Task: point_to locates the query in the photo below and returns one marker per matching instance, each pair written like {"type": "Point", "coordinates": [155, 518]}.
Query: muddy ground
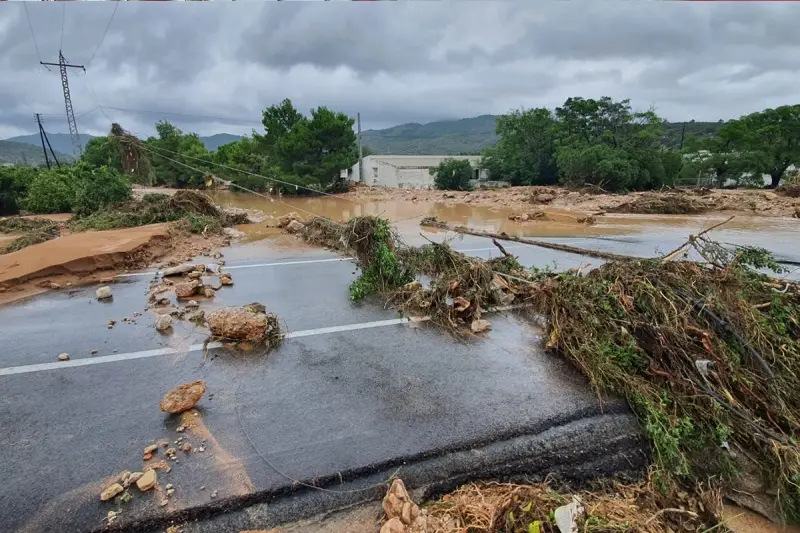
{"type": "Point", "coordinates": [759, 202]}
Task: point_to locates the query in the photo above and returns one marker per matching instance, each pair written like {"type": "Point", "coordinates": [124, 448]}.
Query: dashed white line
{"type": "Point", "coordinates": [25, 369]}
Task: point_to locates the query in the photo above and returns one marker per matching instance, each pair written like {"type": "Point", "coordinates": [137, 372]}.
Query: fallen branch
{"type": "Point", "coordinates": [543, 244]}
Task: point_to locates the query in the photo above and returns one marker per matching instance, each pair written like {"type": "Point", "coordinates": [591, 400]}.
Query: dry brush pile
{"type": "Point", "coordinates": [706, 353]}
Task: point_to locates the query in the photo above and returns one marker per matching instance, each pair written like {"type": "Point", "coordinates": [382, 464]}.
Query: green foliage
{"type": "Point", "coordinates": [453, 175]}
{"type": "Point", "coordinates": [52, 191]}
{"type": "Point", "coordinates": [14, 183]}
{"type": "Point", "coordinates": [102, 151]}
{"type": "Point", "coordinates": [180, 147]}
{"type": "Point", "coordinates": [100, 188]}
{"type": "Point", "coordinates": [25, 154]}
{"type": "Point", "coordinates": [772, 138]}
{"type": "Point", "coordinates": [525, 151]}
{"type": "Point", "coordinates": [380, 267]}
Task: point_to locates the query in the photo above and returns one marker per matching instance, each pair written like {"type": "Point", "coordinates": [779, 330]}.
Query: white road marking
{"type": "Point", "coordinates": [235, 267]}
{"type": "Point", "coordinates": [24, 369]}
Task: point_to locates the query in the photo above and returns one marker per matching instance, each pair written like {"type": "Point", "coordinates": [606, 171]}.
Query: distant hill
{"type": "Point", "coordinates": [446, 137]}
{"type": "Point", "coordinates": [26, 154]}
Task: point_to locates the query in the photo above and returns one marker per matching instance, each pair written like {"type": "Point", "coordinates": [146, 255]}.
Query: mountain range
{"type": "Point", "coordinates": [445, 137]}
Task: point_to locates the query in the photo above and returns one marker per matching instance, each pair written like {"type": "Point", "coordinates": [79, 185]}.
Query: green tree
{"type": "Point", "coordinates": [14, 183]}
{"type": "Point", "coordinates": [771, 140]}
{"type": "Point", "coordinates": [102, 151]}
{"type": "Point", "coordinates": [169, 165]}
{"type": "Point", "coordinates": [525, 151]}
{"type": "Point", "coordinates": [52, 191]}
{"type": "Point", "coordinates": [453, 174]}
{"type": "Point", "coordinates": [278, 121]}
{"type": "Point", "coordinates": [99, 187]}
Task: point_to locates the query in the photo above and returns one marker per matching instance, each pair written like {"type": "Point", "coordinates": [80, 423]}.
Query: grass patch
{"type": "Point", "coordinates": [33, 230]}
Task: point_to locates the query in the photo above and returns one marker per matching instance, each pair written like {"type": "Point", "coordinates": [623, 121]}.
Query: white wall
{"type": "Point", "coordinates": [405, 171]}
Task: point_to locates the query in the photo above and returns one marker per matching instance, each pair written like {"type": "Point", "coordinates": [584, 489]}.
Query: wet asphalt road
{"type": "Point", "coordinates": [343, 410]}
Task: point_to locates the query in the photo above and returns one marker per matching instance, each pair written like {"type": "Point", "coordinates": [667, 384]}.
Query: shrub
{"type": "Point", "coordinates": [100, 188]}
{"type": "Point", "coordinates": [51, 191]}
{"type": "Point", "coordinates": [453, 174]}
{"type": "Point", "coordinates": [14, 182]}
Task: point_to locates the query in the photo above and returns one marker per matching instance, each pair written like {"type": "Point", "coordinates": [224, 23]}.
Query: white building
{"type": "Point", "coordinates": [406, 171]}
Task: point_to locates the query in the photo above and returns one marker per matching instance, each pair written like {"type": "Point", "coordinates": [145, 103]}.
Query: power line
{"type": "Point", "coordinates": [33, 35]}
{"type": "Point", "coordinates": [116, 5]}
{"type": "Point", "coordinates": [252, 174]}
{"type": "Point", "coordinates": [249, 121]}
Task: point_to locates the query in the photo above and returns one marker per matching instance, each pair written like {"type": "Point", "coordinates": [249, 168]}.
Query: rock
{"type": "Point", "coordinates": [769, 195]}
{"type": "Point", "coordinates": [178, 270]}
{"type": "Point", "coordinates": [53, 285]}
{"type": "Point", "coordinates": [183, 397]}
{"type": "Point", "coordinates": [449, 195]}
{"type": "Point", "coordinates": [187, 289]}
{"type": "Point", "coordinates": [153, 448]}
{"type": "Point", "coordinates": [147, 481]}
{"type": "Point", "coordinates": [209, 292]}
{"type": "Point", "coordinates": [226, 280]}
{"type": "Point", "coordinates": [196, 316]}
{"type": "Point", "coordinates": [287, 219]}
{"type": "Point", "coordinates": [93, 352]}
{"type": "Point", "coordinates": [164, 323]}
{"type": "Point", "coordinates": [524, 217]}
{"type": "Point", "coordinates": [186, 447]}
{"type": "Point", "coordinates": [393, 526]}
{"type": "Point", "coordinates": [103, 293]}
{"type": "Point", "coordinates": [63, 357]}
{"type": "Point", "coordinates": [111, 491]}
{"type": "Point", "coordinates": [191, 304]}
{"type": "Point", "coordinates": [544, 198]}
{"type": "Point", "coordinates": [106, 280]}
{"type": "Point", "coordinates": [147, 457]}
{"type": "Point", "coordinates": [134, 477]}
{"type": "Point", "coordinates": [396, 500]}
{"type": "Point", "coordinates": [240, 324]}
{"type": "Point", "coordinates": [171, 451]}
{"type": "Point", "coordinates": [213, 494]}
{"type": "Point", "coordinates": [480, 325]}
{"type": "Point", "coordinates": [194, 275]}
{"type": "Point", "coordinates": [295, 226]}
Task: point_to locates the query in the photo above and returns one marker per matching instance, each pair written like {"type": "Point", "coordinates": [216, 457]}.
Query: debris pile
{"type": "Point", "coordinates": [665, 203]}
{"type": "Point", "coordinates": [525, 217]}
{"type": "Point", "coordinates": [32, 230]}
{"type": "Point", "coordinates": [249, 323]}
{"type": "Point", "coordinates": [402, 514]}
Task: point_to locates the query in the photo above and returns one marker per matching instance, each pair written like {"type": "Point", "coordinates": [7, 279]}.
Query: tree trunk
{"type": "Point", "coordinates": [776, 179]}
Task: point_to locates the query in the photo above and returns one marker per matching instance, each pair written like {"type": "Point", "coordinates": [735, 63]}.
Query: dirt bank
{"type": "Point", "coordinates": [758, 202]}
{"type": "Point", "coordinates": [87, 257]}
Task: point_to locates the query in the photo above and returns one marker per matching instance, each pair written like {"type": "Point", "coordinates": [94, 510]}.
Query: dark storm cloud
{"type": "Point", "coordinates": [394, 62]}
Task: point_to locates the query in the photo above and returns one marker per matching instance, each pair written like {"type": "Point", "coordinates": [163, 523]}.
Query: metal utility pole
{"type": "Point", "coordinates": [62, 64]}
{"type": "Point", "coordinates": [41, 137]}
{"type": "Point", "coordinates": [360, 152]}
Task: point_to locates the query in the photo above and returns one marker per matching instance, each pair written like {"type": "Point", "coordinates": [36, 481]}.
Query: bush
{"type": "Point", "coordinates": [14, 182]}
{"type": "Point", "coordinates": [52, 191]}
{"type": "Point", "coordinates": [453, 175]}
{"type": "Point", "coordinates": [100, 188]}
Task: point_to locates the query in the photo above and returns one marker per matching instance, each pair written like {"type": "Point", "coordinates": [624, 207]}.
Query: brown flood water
{"type": "Point", "coordinates": [406, 215]}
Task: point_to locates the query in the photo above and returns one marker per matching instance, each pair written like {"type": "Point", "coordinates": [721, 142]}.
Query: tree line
{"type": "Point", "coordinates": [605, 143]}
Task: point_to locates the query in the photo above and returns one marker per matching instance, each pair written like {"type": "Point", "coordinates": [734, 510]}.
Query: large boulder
{"type": "Point", "coordinates": [179, 270]}
{"type": "Point", "coordinates": [295, 226]}
{"type": "Point", "coordinates": [249, 323]}
{"type": "Point", "coordinates": [187, 289]}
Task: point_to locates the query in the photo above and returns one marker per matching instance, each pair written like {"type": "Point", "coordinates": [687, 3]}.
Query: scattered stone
{"type": "Point", "coordinates": [295, 226]}
{"type": "Point", "coordinates": [103, 293]}
{"type": "Point", "coordinates": [201, 449]}
{"type": "Point", "coordinates": [226, 279]}
{"type": "Point", "coordinates": [214, 286]}
{"type": "Point", "coordinates": [243, 324]}
{"type": "Point", "coordinates": [111, 491]}
{"type": "Point", "coordinates": [393, 526]}
{"type": "Point", "coordinates": [183, 397]}
{"type": "Point", "coordinates": [209, 292]}
{"type": "Point", "coordinates": [191, 304]}
{"type": "Point", "coordinates": [186, 447]}
{"type": "Point", "coordinates": [53, 285]}
{"type": "Point", "coordinates": [153, 448]}
{"type": "Point", "coordinates": [480, 325]}
{"type": "Point", "coordinates": [111, 516]}
{"type": "Point", "coordinates": [170, 492]}
{"type": "Point", "coordinates": [171, 451]}
{"type": "Point", "coordinates": [287, 219]}
{"type": "Point", "coordinates": [178, 270]}
{"type": "Point", "coordinates": [163, 502]}
{"type": "Point", "coordinates": [400, 508]}
{"type": "Point", "coordinates": [169, 486]}
{"type": "Point", "coordinates": [123, 477]}
{"type": "Point", "coordinates": [93, 352]}
{"type": "Point", "coordinates": [147, 481]}
{"type": "Point", "coordinates": [196, 316]}
{"type": "Point", "coordinates": [181, 429]}
{"type": "Point", "coordinates": [63, 357]}
{"type": "Point", "coordinates": [134, 477]}
{"type": "Point", "coordinates": [213, 494]}
{"type": "Point", "coordinates": [164, 323]}
{"type": "Point", "coordinates": [187, 289]}
{"type": "Point", "coordinates": [194, 275]}
{"type": "Point", "coordinates": [202, 487]}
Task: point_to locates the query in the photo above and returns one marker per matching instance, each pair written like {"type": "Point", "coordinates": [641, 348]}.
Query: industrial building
{"type": "Point", "coordinates": [406, 171]}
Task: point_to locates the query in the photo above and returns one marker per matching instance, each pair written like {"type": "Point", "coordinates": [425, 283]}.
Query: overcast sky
{"type": "Point", "coordinates": [395, 62]}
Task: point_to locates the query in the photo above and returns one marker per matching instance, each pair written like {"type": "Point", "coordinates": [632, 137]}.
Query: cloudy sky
{"type": "Point", "coordinates": [212, 67]}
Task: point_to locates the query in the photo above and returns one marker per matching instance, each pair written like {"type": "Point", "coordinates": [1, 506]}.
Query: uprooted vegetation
{"type": "Point", "coordinates": [675, 203]}
{"type": "Point", "coordinates": [32, 230]}
{"type": "Point", "coordinates": [706, 353]}
{"type": "Point", "coordinates": [196, 208]}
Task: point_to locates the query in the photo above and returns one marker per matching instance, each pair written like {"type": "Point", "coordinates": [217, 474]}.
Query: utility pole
{"type": "Point", "coordinates": [62, 64]}
{"type": "Point", "coordinates": [41, 137]}
{"type": "Point", "coordinates": [360, 152]}
{"type": "Point", "coordinates": [683, 135]}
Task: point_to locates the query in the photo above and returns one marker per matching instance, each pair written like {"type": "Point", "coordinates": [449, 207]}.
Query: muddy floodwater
{"type": "Point", "coordinates": [649, 232]}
